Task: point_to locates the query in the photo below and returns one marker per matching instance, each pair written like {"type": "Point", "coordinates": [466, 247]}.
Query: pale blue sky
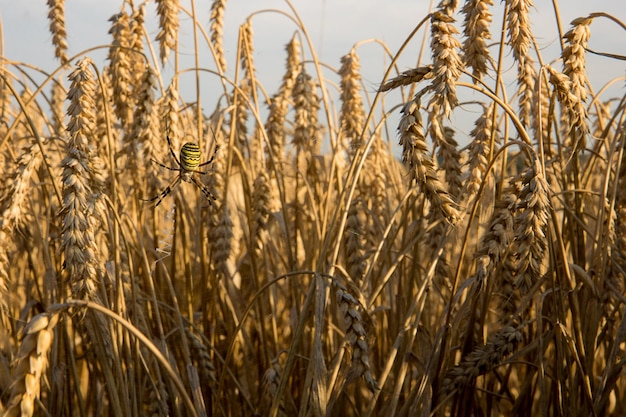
{"type": "Point", "coordinates": [334, 26]}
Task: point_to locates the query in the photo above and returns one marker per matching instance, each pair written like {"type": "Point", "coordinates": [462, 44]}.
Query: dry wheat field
{"type": "Point", "coordinates": [322, 260]}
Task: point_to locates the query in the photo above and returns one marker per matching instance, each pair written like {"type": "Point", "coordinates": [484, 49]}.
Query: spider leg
{"type": "Point", "coordinates": [165, 166]}
{"type": "Point", "coordinates": [212, 157]}
{"type": "Point", "coordinates": [205, 190]}
{"type": "Point", "coordinates": [159, 197]}
{"type": "Point", "coordinates": [169, 144]}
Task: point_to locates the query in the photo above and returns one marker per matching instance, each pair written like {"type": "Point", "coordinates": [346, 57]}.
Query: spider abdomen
{"type": "Point", "coordinates": [190, 156]}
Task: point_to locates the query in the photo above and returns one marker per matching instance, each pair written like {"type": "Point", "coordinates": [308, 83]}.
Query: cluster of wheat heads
{"type": "Point", "coordinates": [477, 279]}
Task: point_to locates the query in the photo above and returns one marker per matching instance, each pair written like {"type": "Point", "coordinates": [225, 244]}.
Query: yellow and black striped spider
{"type": "Point", "coordinates": [187, 166]}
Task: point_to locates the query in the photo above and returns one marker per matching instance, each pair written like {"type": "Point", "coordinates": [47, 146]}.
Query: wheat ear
{"type": "Point", "coordinates": [477, 33]}
{"type": "Point", "coordinates": [421, 166]}
{"type": "Point", "coordinates": [31, 364]}
{"type": "Point", "coordinates": [483, 359]}
{"type": "Point", "coordinates": [79, 183]}
{"type": "Point", "coordinates": [56, 15]}
{"type": "Point", "coordinates": [352, 115]}
{"type": "Point", "coordinates": [218, 8]}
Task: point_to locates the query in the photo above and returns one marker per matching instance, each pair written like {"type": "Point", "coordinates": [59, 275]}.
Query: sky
{"type": "Point", "coordinates": [334, 27]}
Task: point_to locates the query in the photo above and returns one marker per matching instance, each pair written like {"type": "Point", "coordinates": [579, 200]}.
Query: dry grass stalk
{"type": "Point", "coordinates": [167, 10]}
{"type": "Point", "coordinates": [78, 241]}
{"type": "Point", "coordinates": [422, 169]}
{"type": "Point", "coordinates": [216, 27]}
{"type": "Point", "coordinates": [618, 222]}
{"type": "Point", "coordinates": [352, 115]}
{"type": "Point", "coordinates": [57, 100]}
{"type": "Point", "coordinates": [31, 364]}
{"type": "Point", "coordinates": [56, 15]}
{"type": "Point", "coordinates": [4, 278]}
{"type": "Point", "coordinates": [447, 64]}
{"type": "Point", "coordinates": [477, 33]}
{"type": "Point", "coordinates": [26, 96]}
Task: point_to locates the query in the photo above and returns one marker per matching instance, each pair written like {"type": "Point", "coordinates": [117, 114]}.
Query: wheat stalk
{"type": "Point", "coordinates": [57, 98]}
{"type": "Point", "coordinates": [5, 268]}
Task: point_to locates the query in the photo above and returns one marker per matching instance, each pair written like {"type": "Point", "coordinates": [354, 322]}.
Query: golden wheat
{"type": "Point", "coordinates": [56, 14]}
{"type": "Point", "coordinates": [484, 276]}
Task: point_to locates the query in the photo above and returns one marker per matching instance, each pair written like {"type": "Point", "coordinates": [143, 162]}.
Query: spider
{"type": "Point", "coordinates": [187, 166]}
